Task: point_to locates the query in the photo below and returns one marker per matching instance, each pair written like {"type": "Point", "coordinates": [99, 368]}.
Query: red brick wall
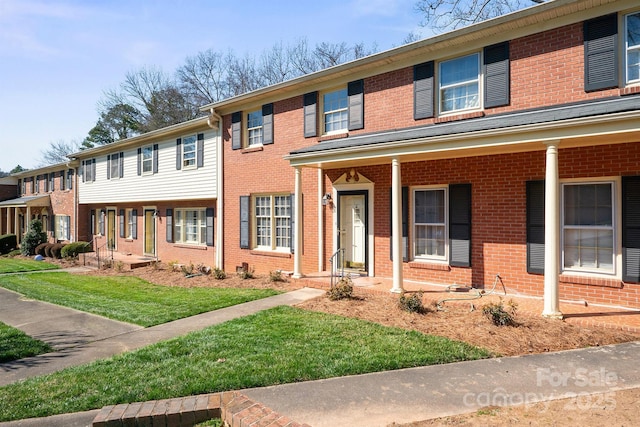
{"type": "Point", "coordinates": [166, 251]}
{"type": "Point", "coordinates": [499, 216]}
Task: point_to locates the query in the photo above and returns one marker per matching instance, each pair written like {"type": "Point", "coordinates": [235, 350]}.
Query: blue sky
{"type": "Point", "coordinates": [57, 58]}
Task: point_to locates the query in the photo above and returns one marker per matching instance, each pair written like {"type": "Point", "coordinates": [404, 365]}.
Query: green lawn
{"type": "Point", "coordinates": [15, 344]}
{"type": "Point", "coordinates": [276, 346]}
{"type": "Point", "coordinates": [19, 265]}
{"type": "Point", "coordinates": [126, 298]}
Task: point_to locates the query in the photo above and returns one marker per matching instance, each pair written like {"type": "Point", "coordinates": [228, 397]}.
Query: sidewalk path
{"type": "Point", "coordinates": [81, 338]}
{"type": "Point", "coordinates": [415, 394]}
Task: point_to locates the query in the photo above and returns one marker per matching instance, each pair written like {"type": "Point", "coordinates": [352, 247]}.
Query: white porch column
{"type": "Point", "coordinates": [551, 234]}
{"type": "Point", "coordinates": [297, 255]}
{"type": "Point", "coordinates": [396, 224]}
{"type": "Point", "coordinates": [16, 223]}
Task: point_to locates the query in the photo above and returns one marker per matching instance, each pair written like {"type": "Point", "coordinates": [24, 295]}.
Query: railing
{"type": "Point", "coordinates": [337, 261]}
{"type": "Point", "coordinates": [101, 252]}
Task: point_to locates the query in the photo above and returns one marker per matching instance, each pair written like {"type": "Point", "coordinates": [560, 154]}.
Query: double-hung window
{"type": "Point", "coordinates": [588, 227]}
{"type": "Point", "coordinates": [273, 222]}
{"type": "Point", "coordinates": [62, 227]}
{"type": "Point", "coordinates": [147, 159]}
{"type": "Point", "coordinates": [335, 111]}
{"type": "Point", "coordinates": [632, 42]}
{"type": "Point", "coordinates": [254, 128]}
{"type": "Point", "coordinates": [130, 224]}
{"type": "Point", "coordinates": [114, 166]}
{"type": "Point", "coordinates": [190, 226]}
{"type": "Point", "coordinates": [429, 223]}
{"type": "Point", "coordinates": [459, 83]}
{"type": "Point", "coordinates": [189, 151]}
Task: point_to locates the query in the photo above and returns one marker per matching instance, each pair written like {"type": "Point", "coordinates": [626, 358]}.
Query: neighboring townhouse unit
{"type": "Point", "coordinates": [48, 194]}
{"type": "Point", "coordinates": [509, 147]}
{"type": "Point", "coordinates": [152, 195]}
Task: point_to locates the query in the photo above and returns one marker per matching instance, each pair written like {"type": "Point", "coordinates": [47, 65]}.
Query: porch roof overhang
{"type": "Point", "coordinates": [28, 201]}
{"type": "Point", "coordinates": [608, 121]}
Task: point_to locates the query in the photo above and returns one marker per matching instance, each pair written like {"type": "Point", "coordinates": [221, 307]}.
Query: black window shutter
{"type": "Point", "coordinates": [169, 221]}
{"type": "Point", "coordinates": [631, 229]}
{"type": "Point", "coordinates": [423, 96]}
{"type": "Point", "coordinates": [236, 130]}
{"type": "Point", "coordinates": [460, 225]}
{"type": "Point", "coordinates": [405, 223]}
{"type": "Point", "coordinates": [200, 147]}
{"type": "Point", "coordinates": [601, 53]}
{"type": "Point", "coordinates": [178, 153]}
{"type": "Point", "coordinates": [496, 75]}
{"type": "Point", "coordinates": [355, 91]}
{"type": "Point", "coordinates": [93, 169]}
{"type": "Point", "coordinates": [122, 227]}
{"type": "Point", "coordinates": [134, 219]}
{"type": "Point", "coordinates": [139, 161]}
{"type": "Point", "coordinates": [535, 227]}
{"type": "Point", "coordinates": [267, 124]}
{"type": "Point", "coordinates": [70, 183]}
{"type": "Point", "coordinates": [108, 166]}
{"type": "Point", "coordinates": [310, 109]}
{"type": "Point", "coordinates": [209, 215]}
{"type": "Point", "coordinates": [292, 203]}
{"type": "Point", "coordinates": [82, 166]}
{"type": "Point", "coordinates": [52, 224]}
{"type": "Point", "coordinates": [244, 222]}
{"type": "Point", "coordinates": [121, 164]}
{"type": "Point", "coordinates": [155, 158]}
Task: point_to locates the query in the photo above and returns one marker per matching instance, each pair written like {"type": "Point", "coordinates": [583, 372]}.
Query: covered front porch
{"type": "Point", "coordinates": [16, 214]}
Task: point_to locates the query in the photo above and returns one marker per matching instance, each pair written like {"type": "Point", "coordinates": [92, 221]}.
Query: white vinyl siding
{"type": "Point", "coordinates": [167, 184]}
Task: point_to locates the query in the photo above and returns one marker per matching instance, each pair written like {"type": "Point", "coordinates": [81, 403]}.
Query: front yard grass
{"type": "Point", "coordinates": [126, 298]}
{"type": "Point", "coordinates": [20, 265]}
{"type": "Point", "coordinates": [15, 344]}
{"type": "Point", "coordinates": [276, 346]}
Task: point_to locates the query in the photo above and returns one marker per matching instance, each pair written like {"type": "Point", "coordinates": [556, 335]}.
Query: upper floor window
{"type": "Point", "coordinates": [115, 165]}
{"type": "Point", "coordinates": [63, 182]}
{"type": "Point", "coordinates": [69, 179]}
{"type": "Point", "coordinates": [459, 83]}
{"type": "Point", "coordinates": [89, 170]}
{"type": "Point", "coordinates": [335, 111]}
{"type": "Point", "coordinates": [254, 128]}
{"type": "Point", "coordinates": [51, 186]}
{"type": "Point", "coordinates": [147, 159]}
{"type": "Point", "coordinates": [37, 178]}
{"type": "Point", "coordinates": [588, 227]}
{"type": "Point", "coordinates": [189, 151]}
{"type": "Point", "coordinates": [632, 31]}
{"type": "Point", "coordinates": [429, 223]}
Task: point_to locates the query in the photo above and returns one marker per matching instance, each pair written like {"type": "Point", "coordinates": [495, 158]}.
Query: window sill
{"type": "Point", "coordinates": [460, 116]}
{"type": "Point", "coordinates": [329, 137]}
{"type": "Point", "coordinates": [632, 89]}
{"type": "Point", "coordinates": [252, 149]}
{"type": "Point", "coordinates": [187, 246]}
{"type": "Point", "coordinates": [591, 281]}
{"type": "Point", "coordinates": [429, 265]}
{"type": "Point", "coordinates": [273, 254]}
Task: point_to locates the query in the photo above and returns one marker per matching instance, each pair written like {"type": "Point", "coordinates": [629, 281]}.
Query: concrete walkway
{"type": "Point", "coordinates": [81, 338]}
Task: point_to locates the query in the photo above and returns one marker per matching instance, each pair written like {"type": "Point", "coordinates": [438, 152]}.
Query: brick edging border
{"type": "Point", "coordinates": [232, 407]}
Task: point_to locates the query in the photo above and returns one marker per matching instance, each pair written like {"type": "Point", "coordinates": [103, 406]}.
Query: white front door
{"type": "Point", "coordinates": [353, 231]}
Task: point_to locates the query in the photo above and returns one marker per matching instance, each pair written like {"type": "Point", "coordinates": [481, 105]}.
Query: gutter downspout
{"type": "Point", "coordinates": [75, 200]}
{"type": "Point", "coordinates": [215, 122]}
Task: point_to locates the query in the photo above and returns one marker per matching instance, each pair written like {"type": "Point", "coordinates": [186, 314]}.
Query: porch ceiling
{"type": "Point", "coordinates": [606, 122]}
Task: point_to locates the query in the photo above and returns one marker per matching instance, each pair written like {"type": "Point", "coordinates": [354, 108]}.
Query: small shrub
{"type": "Point", "coordinates": [14, 253]}
{"type": "Point", "coordinates": [173, 265]}
{"type": "Point", "coordinates": [33, 238]}
{"type": "Point", "coordinates": [500, 316]}
{"type": "Point", "coordinates": [276, 276]}
{"type": "Point", "coordinates": [8, 242]}
{"type": "Point", "coordinates": [342, 290]}
{"type": "Point", "coordinates": [56, 250]}
{"type": "Point", "coordinates": [188, 270]}
{"type": "Point", "coordinates": [412, 303]}
{"type": "Point", "coordinates": [246, 274]}
{"type": "Point", "coordinates": [219, 274]}
{"type": "Point", "coordinates": [39, 250]}
{"type": "Point", "coordinates": [72, 250]}
{"type": "Point", "coordinates": [47, 250]}
{"type": "Point", "coordinates": [119, 266]}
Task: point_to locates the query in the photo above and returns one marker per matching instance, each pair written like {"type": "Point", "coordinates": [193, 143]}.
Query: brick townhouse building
{"type": "Point", "coordinates": [509, 147]}
{"type": "Point", "coordinates": [48, 194]}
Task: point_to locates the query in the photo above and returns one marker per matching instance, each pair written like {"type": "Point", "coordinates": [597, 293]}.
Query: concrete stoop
{"type": "Point", "coordinates": [233, 408]}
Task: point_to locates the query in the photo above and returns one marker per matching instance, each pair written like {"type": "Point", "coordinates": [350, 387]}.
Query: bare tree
{"type": "Point", "coordinates": [442, 15]}
{"type": "Point", "coordinates": [243, 75]}
{"type": "Point", "coordinates": [57, 152]}
{"type": "Point", "coordinates": [204, 78]}
{"type": "Point", "coordinates": [275, 65]}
